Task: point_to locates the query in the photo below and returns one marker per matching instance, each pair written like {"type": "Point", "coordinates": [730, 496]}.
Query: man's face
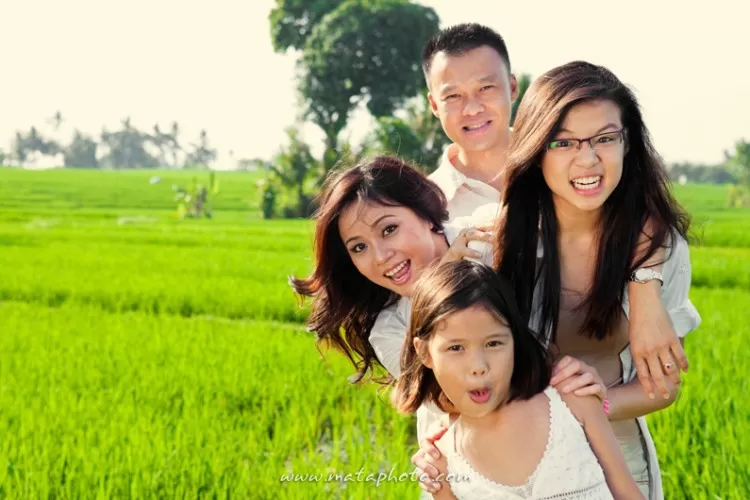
{"type": "Point", "coordinates": [472, 94]}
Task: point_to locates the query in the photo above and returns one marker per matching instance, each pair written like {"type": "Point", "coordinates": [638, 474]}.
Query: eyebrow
{"type": "Point", "coordinates": [489, 78]}
{"type": "Point", "coordinates": [371, 225]}
{"type": "Point", "coordinates": [500, 333]}
{"type": "Point", "coordinates": [609, 125]}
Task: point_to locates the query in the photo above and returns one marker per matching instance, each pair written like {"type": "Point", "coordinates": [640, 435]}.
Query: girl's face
{"type": "Point", "coordinates": [471, 355]}
{"type": "Point", "coordinates": [390, 246]}
{"type": "Point", "coordinates": [582, 176]}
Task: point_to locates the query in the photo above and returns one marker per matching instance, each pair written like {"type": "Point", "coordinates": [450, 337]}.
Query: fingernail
{"type": "Point", "coordinates": [651, 395]}
{"type": "Point", "coordinates": [435, 454]}
{"type": "Point", "coordinates": [666, 395]}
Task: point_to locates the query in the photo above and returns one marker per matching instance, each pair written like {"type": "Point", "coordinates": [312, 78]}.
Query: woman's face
{"type": "Point", "coordinates": [582, 178]}
{"type": "Point", "coordinates": [389, 245]}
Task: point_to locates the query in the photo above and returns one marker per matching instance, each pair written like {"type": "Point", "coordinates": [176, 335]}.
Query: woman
{"type": "Point", "coordinates": [380, 223]}
{"type": "Point", "coordinates": [582, 181]}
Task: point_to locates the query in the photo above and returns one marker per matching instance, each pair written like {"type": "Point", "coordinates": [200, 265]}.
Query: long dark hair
{"type": "Point", "coordinates": [641, 200]}
{"type": "Point", "coordinates": [345, 304]}
{"type": "Point", "coordinates": [450, 288]}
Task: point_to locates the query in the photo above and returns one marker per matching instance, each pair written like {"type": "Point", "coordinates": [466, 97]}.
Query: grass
{"type": "Point", "coordinates": [142, 356]}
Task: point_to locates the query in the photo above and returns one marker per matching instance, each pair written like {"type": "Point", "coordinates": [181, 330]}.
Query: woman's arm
{"type": "Point", "coordinates": [653, 340]}
{"type": "Point", "coordinates": [387, 337]}
{"type": "Point", "coordinates": [629, 401]}
{"type": "Point", "coordinates": [588, 411]}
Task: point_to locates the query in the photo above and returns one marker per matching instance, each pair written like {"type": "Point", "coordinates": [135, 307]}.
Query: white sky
{"type": "Point", "coordinates": [210, 65]}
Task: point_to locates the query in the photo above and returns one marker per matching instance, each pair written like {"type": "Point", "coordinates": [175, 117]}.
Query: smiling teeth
{"type": "Point", "coordinates": [587, 182]}
{"type": "Point", "coordinates": [475, 127]}
{"type": "Point", "coordinates": [395, 269]}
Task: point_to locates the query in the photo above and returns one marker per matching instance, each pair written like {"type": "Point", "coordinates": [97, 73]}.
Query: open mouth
{"type": "Point", "coordinates": [587, 183]}
{"type": "Point", "coordinates": [480, 396]}
{"type": "Point", "coordinates": [477, 128]}
{"type": "Point", "coordinates": [399, 273]}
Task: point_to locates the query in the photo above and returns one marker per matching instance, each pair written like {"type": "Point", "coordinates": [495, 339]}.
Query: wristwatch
{"type": "Point", "coordinates": [644, 274]}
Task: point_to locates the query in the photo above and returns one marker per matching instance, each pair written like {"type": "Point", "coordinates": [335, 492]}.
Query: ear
{"type": "Point", "coordinates": [513, 88]}
{"type": "Point", "coordinates": [433, 104]}
{"type": "Point", "coordinates": [424, 355]}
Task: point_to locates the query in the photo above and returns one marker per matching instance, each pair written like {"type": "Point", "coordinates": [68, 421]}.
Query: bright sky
{"type": "Point", "coordinates": [210, 65]}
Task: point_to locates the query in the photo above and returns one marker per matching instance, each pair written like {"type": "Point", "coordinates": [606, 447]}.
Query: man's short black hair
{"type": "Point", "coordinates": [461, 38]}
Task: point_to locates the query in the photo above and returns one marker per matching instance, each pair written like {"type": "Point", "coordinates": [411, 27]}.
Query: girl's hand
{"type": "Point", "coordinates": [460, 247]}
{"type": "Point", "coordinates": [657, 351]}
{"type": "Point", "coordinates": [573, 375]}
{"type": "Point", "coordinates": [431, 465]}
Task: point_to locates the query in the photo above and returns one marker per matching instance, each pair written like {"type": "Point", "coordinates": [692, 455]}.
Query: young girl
{"type": "Point", "coordinates": [469, 350]}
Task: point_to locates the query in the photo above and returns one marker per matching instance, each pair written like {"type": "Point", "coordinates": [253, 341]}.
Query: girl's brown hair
{"type": "Point", "coordinates": [447, 289]}
{"type": "Point", "coordinates": [345, 304]}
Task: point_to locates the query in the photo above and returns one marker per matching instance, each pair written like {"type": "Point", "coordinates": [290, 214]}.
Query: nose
{"type": "Point", "coordinates": [473, 106]}
{"type": "Point", "coordinates": [479, 364]}
{"type": "Point", "coordinates": [586, 156]}
{"type": "Point", "coordinates": [382, 253]}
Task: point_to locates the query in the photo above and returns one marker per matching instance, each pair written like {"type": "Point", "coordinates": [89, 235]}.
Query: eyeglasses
{"type": "Point", "coordinates": [598, 142]}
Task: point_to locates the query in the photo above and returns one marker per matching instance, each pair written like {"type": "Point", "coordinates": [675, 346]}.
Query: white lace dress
{"type": "Point", "coordinates": [568, 470]}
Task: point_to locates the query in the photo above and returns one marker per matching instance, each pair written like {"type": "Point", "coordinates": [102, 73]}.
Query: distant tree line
{"type": "Point", "coordinates": [123, 148]}
{"type": "Point", "coordinates": [701, 173]}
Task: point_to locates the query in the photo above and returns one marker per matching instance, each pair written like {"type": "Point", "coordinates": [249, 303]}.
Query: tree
{"type": "Point", "coordinates": [56, 120]}
{"type": "Point", "coordinates": [393, 135]}
{"type": "Point", "coordinates": [202, 155]}
{"type": "Point", "coordinates": [353, 51]}
{"type": "Point", "coordinates": [25, 145]}
{"type": "Point", "coordinates": [523, 85]}
{"type": "Point", "coordinates": [126, 148]}
{"type": "Point", "coordinates": [292, 21]}
{"type": "Point", "coordinates": [20, 151]}
{"type": "Point", "coordinates": [739, 164]}
{"type": "Point", "coordinates": [161, 140]}
{"type": "Point", "coordinates": [413, 133]}
{"type": "Point", "coordinates": [81, 152]}
{"type": "Point", "coordinates": [293, 166]}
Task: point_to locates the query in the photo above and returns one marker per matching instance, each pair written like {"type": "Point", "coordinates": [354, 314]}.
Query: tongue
{"type": "Point", "coordinates": [401, 272]}
{"type": "Point", "coordinates": [480, 396]}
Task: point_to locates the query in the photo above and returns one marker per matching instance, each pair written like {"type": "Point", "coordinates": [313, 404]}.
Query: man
{"type": "Point", "coordinates": [471, 90]}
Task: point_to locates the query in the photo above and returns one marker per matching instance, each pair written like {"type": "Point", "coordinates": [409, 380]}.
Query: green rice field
{"type": "Point", "coordinates": [146, 357]}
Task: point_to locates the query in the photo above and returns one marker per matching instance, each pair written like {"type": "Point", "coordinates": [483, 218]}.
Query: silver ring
{"type": "Point", "coordinates": [668, 365]}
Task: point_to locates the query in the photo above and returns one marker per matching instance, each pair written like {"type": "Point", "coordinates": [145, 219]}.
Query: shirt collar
{"type": "Point", "coordinates": [447, 176]}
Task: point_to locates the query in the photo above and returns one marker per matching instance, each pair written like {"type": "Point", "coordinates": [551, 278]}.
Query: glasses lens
{"type": "Point", "coordinates": [606, 140]}
{"type": "Point", "coordinates": [563, 145]}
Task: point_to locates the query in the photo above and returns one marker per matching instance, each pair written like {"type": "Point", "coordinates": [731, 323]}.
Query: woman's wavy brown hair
{"type": "Point", "coordinates": [345, 304]}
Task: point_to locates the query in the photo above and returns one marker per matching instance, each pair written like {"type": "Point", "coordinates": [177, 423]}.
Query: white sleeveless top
{"type": "Point", "coordinates": [568, 470]}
